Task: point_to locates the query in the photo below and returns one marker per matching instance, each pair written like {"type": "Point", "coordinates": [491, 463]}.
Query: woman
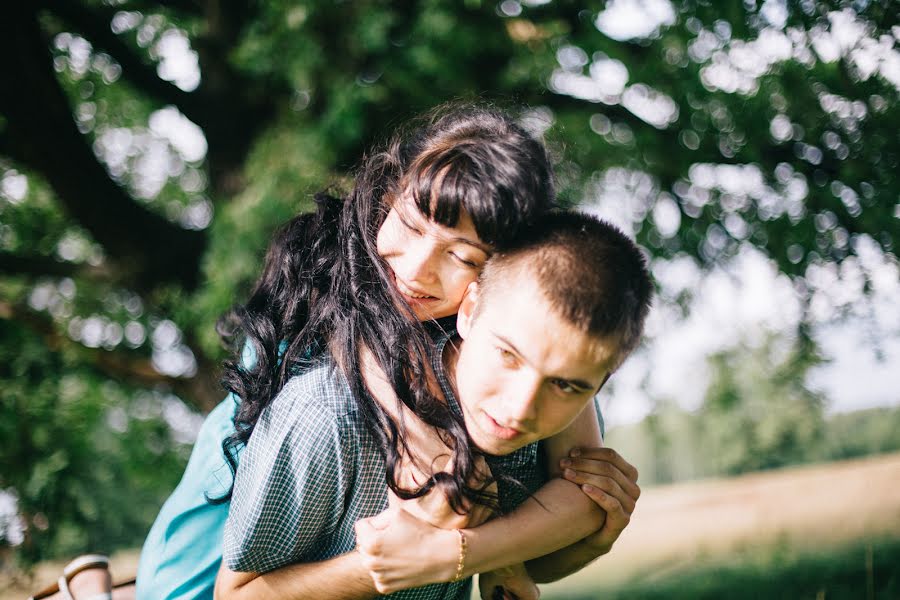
{"type": "Point", "coordinates": [421, 220]}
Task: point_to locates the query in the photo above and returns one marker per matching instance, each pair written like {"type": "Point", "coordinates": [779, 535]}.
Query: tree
{"type": "Point", "coordinates": [758, 412]}
{"type": "Point", "coordinates": [123, 238]}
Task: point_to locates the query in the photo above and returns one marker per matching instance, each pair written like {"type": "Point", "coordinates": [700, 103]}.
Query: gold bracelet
{"type": "Point", "coordinates": [462, 556]}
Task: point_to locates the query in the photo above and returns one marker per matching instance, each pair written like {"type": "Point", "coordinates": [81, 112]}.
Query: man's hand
{"type": "Point", "coordinates": [509, 583]}
{"type": "Point", "coordinates": [611, 482]}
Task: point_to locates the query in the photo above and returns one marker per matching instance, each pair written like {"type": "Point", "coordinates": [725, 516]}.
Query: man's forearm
{"type": "Point", "coordinates": [532, 530]}
{"type": "Point", "coordinates": [562, 563]}
{"type": "Point", "coordinates": [339, 578]}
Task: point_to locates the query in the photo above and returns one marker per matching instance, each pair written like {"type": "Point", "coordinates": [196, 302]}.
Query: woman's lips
{"type": "Point", "coordinates": [410, 293]}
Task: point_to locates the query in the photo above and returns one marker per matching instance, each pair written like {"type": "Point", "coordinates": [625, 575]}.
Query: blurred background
{"type": "Point", "coordinates": [148, 150]}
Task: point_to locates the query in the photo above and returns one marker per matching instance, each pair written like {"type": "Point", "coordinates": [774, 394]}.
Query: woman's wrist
{"type": "Point", "coordinates": [452, 547]}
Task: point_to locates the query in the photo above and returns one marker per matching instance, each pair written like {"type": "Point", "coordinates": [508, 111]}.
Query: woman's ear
{"type": "Point", "coordinates": [467, 308]}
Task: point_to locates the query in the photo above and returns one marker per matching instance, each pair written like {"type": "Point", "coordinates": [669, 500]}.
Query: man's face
{"type": "Point", "coordinates": [523, 373]}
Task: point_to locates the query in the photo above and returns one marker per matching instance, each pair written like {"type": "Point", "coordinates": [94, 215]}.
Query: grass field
{"type": "Point", "coordinates": [802, 532]}
{"type": "Point", "coordinates": [823, 532]}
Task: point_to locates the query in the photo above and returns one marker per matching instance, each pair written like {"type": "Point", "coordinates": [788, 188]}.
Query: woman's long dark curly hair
{"type": "Point", "coordinates": [325, 288]}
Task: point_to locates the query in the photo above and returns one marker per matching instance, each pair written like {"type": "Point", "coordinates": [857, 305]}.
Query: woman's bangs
{"type": "Point", "coordinates": [451, 183]}
{"type": "Point", "coordinates": [437, 192]}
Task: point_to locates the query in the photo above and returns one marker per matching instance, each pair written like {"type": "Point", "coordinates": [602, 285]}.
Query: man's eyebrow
{"type": "Point", "coordinates": [508, 343]}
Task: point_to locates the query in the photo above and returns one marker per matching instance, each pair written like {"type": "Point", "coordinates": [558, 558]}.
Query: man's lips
{"type": "Point", "coordinates": [500, 431]}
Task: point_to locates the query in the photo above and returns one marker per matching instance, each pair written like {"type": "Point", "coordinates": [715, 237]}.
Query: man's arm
{"type": "Point", "coordinates": [559, 514]}
{"type": "Point", "coordinates": [576, 454]}
{"type": "Point", "coordinates": [396, 545]}
{"type": "Point", "coordinates": [609, 481]}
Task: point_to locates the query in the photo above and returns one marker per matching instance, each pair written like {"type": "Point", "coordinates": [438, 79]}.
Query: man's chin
{"type": "Point", "coordinates": [497, 447]}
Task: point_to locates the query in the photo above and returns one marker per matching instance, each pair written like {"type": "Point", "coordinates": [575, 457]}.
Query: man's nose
{"type": "Point", "coordinates": [522, 403]}
{"type": "Point", "coordinates": [417, 262]}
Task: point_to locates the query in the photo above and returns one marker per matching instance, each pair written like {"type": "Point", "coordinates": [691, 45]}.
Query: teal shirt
{"type": "Point", "coordinates": [183, 550]}
{"type": "Point", "coordinates": [182, 553]}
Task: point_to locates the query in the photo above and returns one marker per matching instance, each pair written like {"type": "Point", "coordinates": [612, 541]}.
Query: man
{"type": "Point", "coordinates": [548, 323]}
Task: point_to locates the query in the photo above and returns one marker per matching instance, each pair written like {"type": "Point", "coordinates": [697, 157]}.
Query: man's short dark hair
{"type": "Point", "coordinates": [591, 273]}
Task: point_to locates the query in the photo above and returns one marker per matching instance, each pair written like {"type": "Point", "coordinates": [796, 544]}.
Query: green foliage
{"type": "Point", "coordinates": [290, 95]}
{"type": "Point", "coordinates": [758, 414]}
{"type": "Point", "coordinates": [861, 433]}
{"type": "Point", "coordinates": [89, 460]}
{"type": "Point", "coordinates": [669, 445]}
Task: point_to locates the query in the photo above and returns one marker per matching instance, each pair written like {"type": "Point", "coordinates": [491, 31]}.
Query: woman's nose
{"type": "Point", "coordinates": [417, 262]}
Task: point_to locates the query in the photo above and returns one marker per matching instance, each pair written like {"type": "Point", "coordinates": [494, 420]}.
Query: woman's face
{"type": "Point", "coordinates": [431, 264]}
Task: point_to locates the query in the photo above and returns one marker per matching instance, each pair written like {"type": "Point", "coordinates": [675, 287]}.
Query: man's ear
{"type": "Point", "coordinates": [466, 313]}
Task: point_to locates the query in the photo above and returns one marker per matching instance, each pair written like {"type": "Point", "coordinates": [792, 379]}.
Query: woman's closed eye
{"type": "Point", "coordinates": [465, 261]}
{"type": "Point", "coordinates": [409, 226]}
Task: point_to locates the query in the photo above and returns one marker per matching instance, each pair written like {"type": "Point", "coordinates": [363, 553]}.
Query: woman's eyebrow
{"type": "Point", "coordinates": [483, 247]}
{"type": "Point", "coordinates": [418, 220]}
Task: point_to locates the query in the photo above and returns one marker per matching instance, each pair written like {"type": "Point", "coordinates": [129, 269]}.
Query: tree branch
{"type": "Point", "coordinates": [6, 148]}
{"type": "Point", "coordinates": [36, 266]}
{"type": "Point", "coordinates": [41, 127]}
{"type": "Point", "coordinates": [236, 107]}
{"type": "Point", "coordinates": [200, 391]}
{"type": "Point", "coordinates": [94, 24]}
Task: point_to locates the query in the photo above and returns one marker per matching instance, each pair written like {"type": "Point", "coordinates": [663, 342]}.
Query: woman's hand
{"type": "Point", "coordinates": [413, 542]}
{"type": "Point", "coordinates": [611, 482]}
{"type": "Point", "coordinates": [510, 583]}
{"type": "Point", "coordinates": [401, 551]}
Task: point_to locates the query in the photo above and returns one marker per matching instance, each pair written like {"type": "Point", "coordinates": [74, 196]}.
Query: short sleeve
{"type": "Point", "coordinates": [289, 487]}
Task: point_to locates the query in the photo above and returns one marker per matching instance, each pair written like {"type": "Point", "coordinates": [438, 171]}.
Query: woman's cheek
{"type": "Point", "coordinates": [462, 280]}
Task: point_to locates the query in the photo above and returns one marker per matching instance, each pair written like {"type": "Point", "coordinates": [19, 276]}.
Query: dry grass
{"type": "Point", "coordinates": [813, 507]}
{"type": "Point", "coordinates": [806, 508]}
{"type": "Point", "coordinates": [122, 564]}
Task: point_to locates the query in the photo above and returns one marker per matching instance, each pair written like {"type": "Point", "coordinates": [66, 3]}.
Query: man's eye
{"type": "Point", "coordinates": [565, 387]}
{"type": "Point", "coordinates": [506, 356]}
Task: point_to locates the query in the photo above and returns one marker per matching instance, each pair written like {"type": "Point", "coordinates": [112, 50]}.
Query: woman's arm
{"type": "Point", "coordinates": [558, 516]}
{"type": "Point", "coordinates": [402, 551]}
{"type": "Point", "coordinates": [399, 550]}
{"type": "Point", "coordinates": [340, 578]}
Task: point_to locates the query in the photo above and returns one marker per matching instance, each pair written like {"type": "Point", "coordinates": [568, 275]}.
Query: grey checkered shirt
{"type": "Point", "coordinates": [311, 469]}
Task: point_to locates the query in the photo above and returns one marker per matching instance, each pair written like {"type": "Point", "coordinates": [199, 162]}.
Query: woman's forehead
{"type": "Point", "coordinates": [462, 231]}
